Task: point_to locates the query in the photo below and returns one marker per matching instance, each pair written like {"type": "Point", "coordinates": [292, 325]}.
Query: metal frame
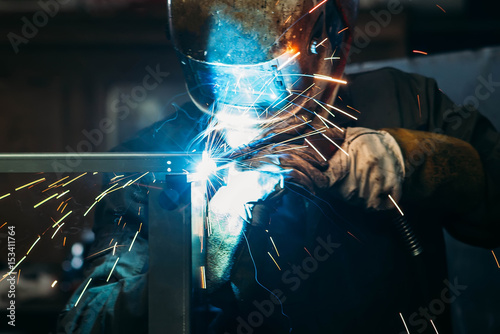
{"type": "Point", "coordinates": [176, 233]}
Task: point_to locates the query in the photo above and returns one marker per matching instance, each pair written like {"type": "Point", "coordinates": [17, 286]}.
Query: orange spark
{"type": "Point", "coordinates": [419, 108]}
{"type": "Point", "coordinates": [308, 252]}
{"type": "Point", "coordinates": [276, 263]}
{"type": "Point", "coordinates": [64, 242]}
{"type": "Point", "coordinates": [496, 260]}
{"type": "Point", "coordinates": [438, 6]}
{"type": "Point", "coordinates": [316, 7]}
{"type": "Point", "coordinates": [343, 30]}
{"type": "Point", "coordinates": [421, 52]}
{"type": "Point", "coordinates": [3, 224]}
{"type": "Point", "coordinates": [356, 110]}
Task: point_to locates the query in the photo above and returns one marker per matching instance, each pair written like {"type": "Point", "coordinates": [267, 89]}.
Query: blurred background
{"type": "Point", "coordinates": [72, 80]}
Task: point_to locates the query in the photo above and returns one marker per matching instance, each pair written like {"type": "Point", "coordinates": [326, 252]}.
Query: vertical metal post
{"type": "Point", "coordinates": [170, 266]}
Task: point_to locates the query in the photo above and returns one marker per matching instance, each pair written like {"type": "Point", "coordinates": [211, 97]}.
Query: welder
{"type": "Point", "coordinates": [347, 156]}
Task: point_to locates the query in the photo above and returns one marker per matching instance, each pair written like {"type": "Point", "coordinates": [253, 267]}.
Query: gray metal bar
{"type": "Point", "coordinates": [173, 163]}
{"type": "Point", "coordinates": [170, 261]}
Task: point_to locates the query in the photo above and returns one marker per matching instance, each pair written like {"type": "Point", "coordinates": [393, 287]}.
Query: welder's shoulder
{"type": "Point", "coordinates": [392, 80]}
{"type": "Point", "coordinates": [171, 134]}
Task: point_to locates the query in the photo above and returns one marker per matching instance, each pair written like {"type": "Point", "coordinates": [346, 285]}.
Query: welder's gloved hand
{"type": "Point", "coordinates": [302, 159]}
{"type": "Point", "coordinates": [368, 169]}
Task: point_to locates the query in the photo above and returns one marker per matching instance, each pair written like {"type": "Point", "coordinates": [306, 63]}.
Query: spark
{"type": "Point", "coordinates": [31, 183]}
{"type": "Point", "coordinates": [59, 206]}
{"type": "Point", "coordinates": [135, 236]}
{"type": "Point", "coordinates": [323, 119]}
{"type": "Point", "coordinates": [438, 6]}
{"type": "Point", "coordinates": [419, 108]}
{"type": "Point", "coordinates": [58, 181]}
{"type": "Point", "coordinates": [325, 77]}
{"type": "Point", "coordinates": [288, 19]}
{"type": "Point", "coordinates": [18, 276]}
{"type": "Point", "coordinates": [4, 196]}
{"type": "Point", "coordinates": [111, 241]}
{"type": "Point", "coordinates": [404, 323]}
{"type": "Point", "coordinates": [356, 110]}
{"type": "Point", "coordinates": [3, 224]}
{"type": "Point", "coordinates": [112, 269]}
{"type": "Point", "coordinates": [76, 178]}
{"type": "Point", "coordinates": [60, 220]}
{"type": "Point", "coordinates": [352, 235]}
{"type": "Point", "coordinates": [45, 200]}
{"type": "Point", "coordinates": [275, 248]}
{"type": "Point", "coordinates": [314, 148]}
{"type": "Point", "coordinates": [99, 252]}
{"type": "Point", "coordinates": [12, 270]}
{"type": "Point", "coordinates": [90, 208]}
{"type": "Point", "coordinates": [119, 220]}
{"type": "Point", "coordinates": [64, 208]}
{"type": "Point", "coordinates": [342, 111]}
{"type": "Point", "coordinates": [496, 260]}
{"type": "Point", "coordinates": [57, 230]}
{"type": "Point", "coordinates": [396, 205]}
{"type": "Point", "coordinates": [323, 41]}
{"type": "Point", "coordinates": [332, 58]}
{"type": "Point", "coordinates": [116, 177]}
{"type": "Point", "coordinates": [316, 7]}
{"type": "Point", "coordinates": [432, 323]}
{"type": "Point", "coordinates": [343, 30]}
{"type": "Point", "coordinates": [203, 278]}
{"type": "Point", "coordinates": [64, 242]}
{"type": "Point", "coordinates": [334, 143]}
{"type": "Point", "coordinates": [64, 193]}
{"type": "Point", "coordinates": [421, 52]}
{"type": "Point", "coordinates": [308, 252]}
{"type": "Point", "coordinates": [114, 247]}
{"type": "Point", "coordinates": [29, 250]}
{"type": "Point", "coordinates": [288, 61]}
{"type": "Point", "coordinates": [54, 283]}
{"type": "Point", "coordinates": [105, 192]}
{"type": "Point", "coordinates": [276, 263]}
{"type": "Point", "coordinates": [140, 177]}
{"type": "Point", "coordinates": [85, 288]}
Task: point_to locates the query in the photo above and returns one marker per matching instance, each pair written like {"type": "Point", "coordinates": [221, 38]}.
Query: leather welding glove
{"type": "Point", "coordinates": [368, 168]}
{"type": "Point", "coordinates": [302, 159]}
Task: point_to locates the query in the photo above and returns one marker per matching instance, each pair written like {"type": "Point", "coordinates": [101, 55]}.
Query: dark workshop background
{"type": "Point", "coordinates": [63, 84]}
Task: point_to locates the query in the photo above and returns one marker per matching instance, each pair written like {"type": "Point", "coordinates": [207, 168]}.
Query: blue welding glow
{"type": "Point", "coordinates": [239, 125]}
{"type": "Point", "coordinates": [206, 167]}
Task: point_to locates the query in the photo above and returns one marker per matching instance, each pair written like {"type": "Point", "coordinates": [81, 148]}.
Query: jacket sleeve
{"type": "Point", "coordinates": [439, 115]}
{"type": "Point", "coordinates": [113, 297]}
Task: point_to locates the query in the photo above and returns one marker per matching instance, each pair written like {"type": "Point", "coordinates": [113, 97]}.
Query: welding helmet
{"type": "Point", "coordinates": [273, 57]}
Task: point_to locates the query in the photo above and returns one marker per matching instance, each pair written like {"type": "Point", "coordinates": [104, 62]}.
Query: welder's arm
{"type": "Point", "coordinates": [115, 303]}
{"type": "Point", "coordinates": [481, 227]}
{"type": "Point", "coordinates": [448, 176]}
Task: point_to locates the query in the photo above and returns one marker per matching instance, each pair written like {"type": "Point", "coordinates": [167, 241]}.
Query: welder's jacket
{"type": "Point", "coordinates": [342, 270]}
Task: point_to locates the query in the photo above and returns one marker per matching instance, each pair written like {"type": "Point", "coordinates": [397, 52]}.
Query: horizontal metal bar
{"type": "Point", "coordinates": [172, 163]}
